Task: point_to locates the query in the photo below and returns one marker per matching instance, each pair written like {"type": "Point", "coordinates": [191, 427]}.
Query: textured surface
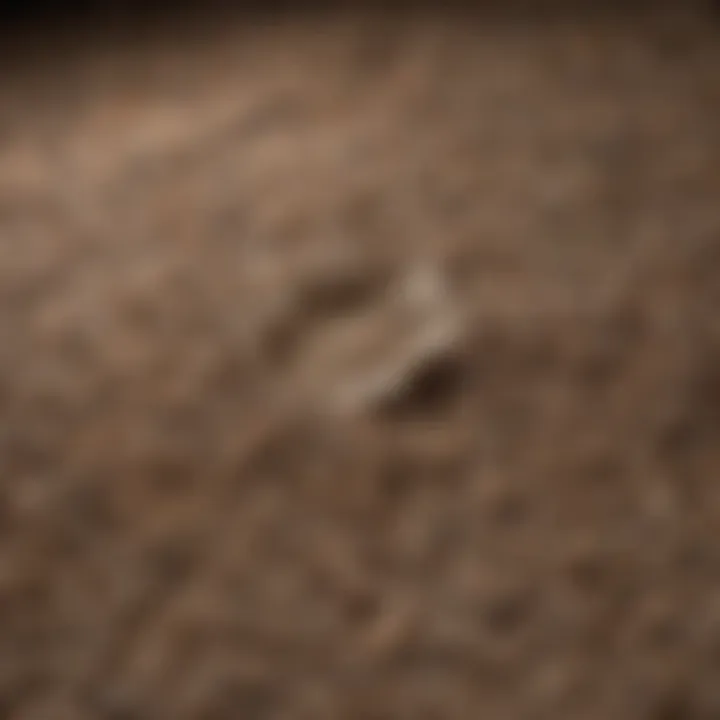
{"type": "Point", "coordinates": [362, 367]}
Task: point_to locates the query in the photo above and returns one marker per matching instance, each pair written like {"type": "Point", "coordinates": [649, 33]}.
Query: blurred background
{"type": "Point", "coordinates": [359, 362]}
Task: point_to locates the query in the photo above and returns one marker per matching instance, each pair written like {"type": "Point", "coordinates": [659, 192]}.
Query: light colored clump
{"type": "Point", "coordinates": [356, 364]}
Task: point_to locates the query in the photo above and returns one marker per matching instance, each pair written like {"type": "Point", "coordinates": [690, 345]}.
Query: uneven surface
{"type": "Point", "coordinates": [362, 367]}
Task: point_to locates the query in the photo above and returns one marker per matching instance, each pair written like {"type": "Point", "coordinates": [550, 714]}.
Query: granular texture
{"type": "Point", "coordinates": [362, 365]}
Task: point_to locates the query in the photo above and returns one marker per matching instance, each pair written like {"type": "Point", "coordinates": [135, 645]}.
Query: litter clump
{"type": "Point", "coordinates": [402, 354]}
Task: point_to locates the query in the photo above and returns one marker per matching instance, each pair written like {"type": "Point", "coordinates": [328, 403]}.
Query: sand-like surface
{"type": "Point", "coordinates": [362, 367]}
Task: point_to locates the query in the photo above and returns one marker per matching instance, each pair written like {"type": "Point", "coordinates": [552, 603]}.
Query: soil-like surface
{"type": "Point", "coordinates": [362, 366]}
